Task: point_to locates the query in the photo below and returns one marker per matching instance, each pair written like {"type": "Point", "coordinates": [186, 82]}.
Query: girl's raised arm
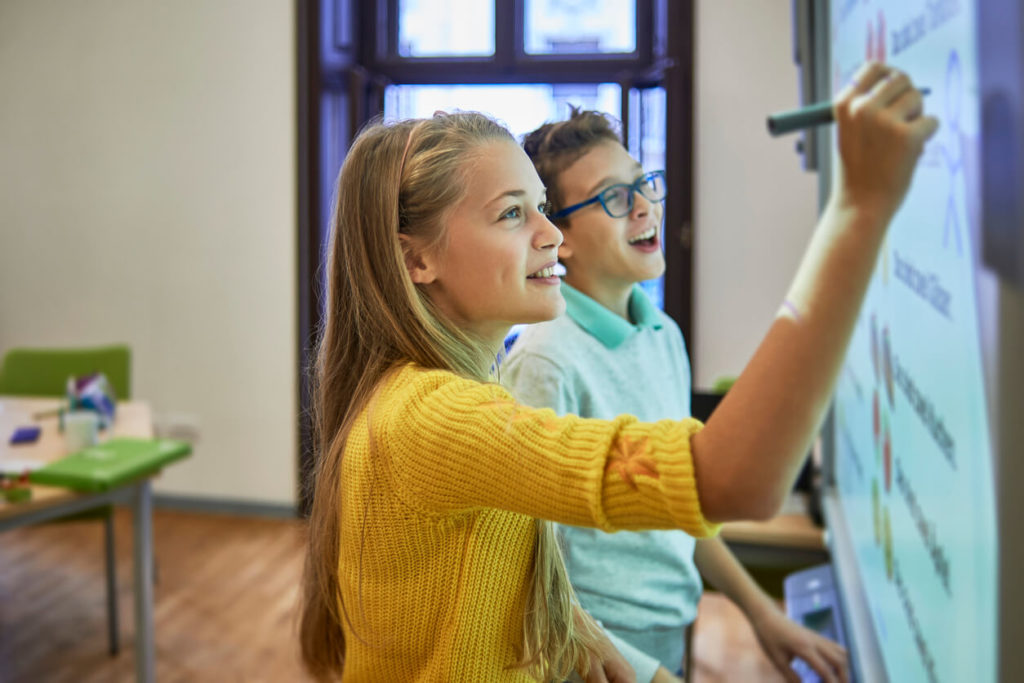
{"type": "Point", "coordinates": [751, 449]}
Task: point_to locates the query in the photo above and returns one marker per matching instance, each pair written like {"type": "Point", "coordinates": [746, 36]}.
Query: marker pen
{"type": "Point", "coordinates": [806, 117]}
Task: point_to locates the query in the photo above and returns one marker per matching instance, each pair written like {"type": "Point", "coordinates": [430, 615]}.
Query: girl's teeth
{"type": "Point", "coordinates": [546, 272]}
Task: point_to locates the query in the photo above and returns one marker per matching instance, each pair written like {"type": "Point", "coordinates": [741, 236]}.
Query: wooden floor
{"type": "Point", "coordinates": [725, 649]}
{"type": "Point", "coordinates": [225, 605]}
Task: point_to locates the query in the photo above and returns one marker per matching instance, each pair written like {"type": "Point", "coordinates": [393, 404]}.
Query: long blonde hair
{"type": "Point", "coordinates": [403, 179]}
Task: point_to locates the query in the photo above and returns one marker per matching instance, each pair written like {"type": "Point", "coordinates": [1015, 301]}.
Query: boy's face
{"type": "Point", "coordinates": [497, 266]}
{"type": "Point", "coordinates": [600, 252]}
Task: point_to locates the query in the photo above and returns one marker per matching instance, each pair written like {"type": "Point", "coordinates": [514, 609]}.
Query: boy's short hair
{"type": "Point", "coordinates": [555, 147]}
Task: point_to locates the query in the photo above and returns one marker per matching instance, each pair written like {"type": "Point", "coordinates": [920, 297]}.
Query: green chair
{"type": "Point", "coordinates": [45, 372]}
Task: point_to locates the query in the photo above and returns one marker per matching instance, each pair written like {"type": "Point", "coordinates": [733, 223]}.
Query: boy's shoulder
{"type": "Point", "coordinates": [558, 341]}
{"type": "Point", "coordinates": [670, 328]}
{"type": "Point", "coordinates": [564, 341]}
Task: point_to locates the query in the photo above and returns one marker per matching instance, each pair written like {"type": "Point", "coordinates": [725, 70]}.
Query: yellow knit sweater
{"type": "Point", "coordinates": [441, 480]}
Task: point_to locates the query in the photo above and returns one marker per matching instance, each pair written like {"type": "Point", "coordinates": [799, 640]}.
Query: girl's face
{"type": "Point", "coordinates": [602, 252]}
{"type": "Point", "coordinates": [496, 267]}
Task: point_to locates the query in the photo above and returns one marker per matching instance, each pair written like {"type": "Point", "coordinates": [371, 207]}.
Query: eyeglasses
{"type": "Point", "coordinates": [617, 200]}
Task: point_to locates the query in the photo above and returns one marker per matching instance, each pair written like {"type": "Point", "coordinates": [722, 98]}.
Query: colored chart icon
{"type": "Point", "coordinates": [887, 364]}
{"type": "Point", "coordinates": [887, 542]}
{"type": "Point", "coordinates": [887, 456]}
{"type": "Point", "coordinates": [874, 345]}
{"type": "Point", "coordinates": [876, 511]}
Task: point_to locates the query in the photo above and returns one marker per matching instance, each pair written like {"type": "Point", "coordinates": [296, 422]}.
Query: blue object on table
{"type": "Point", "coordinates": [812, 600]}
{"type": "Point", "coordinates": [25, 435]}
{"type": "Point", "coordinates": [92, 392]}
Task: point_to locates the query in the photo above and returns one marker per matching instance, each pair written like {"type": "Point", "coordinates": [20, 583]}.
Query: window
{"type": "Point", "coordinates": [580, 26]}
{"type": "Point", "coordinates": [646, 140]}
{"type": "Point", "coordinates": [476, 41]}
{"type": "Point", "coordinates": [522, 61]}
{"type": "Point", "coordinates": [439, 28]}
{"type": "Point", "coordinates": [521, 107]}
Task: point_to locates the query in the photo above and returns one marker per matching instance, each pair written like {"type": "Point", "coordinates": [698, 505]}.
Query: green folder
{"type": "Point", "coordinates": [110, 464]}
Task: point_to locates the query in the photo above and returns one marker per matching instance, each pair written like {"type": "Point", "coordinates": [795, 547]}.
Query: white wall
{"type": "Point", "coordinates": [754, 206]}
{"type": "Point", "coordinates": [147, 196]}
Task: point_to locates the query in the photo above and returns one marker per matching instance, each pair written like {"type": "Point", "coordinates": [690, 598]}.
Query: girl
{"type": "Point", "coordinates": [427, 560]}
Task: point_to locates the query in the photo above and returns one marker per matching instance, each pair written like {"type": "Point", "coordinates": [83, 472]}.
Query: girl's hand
{"type": "Point", "coordinates": [882, 131]}
{"type": "Point", "coordinates": [783, 640]}
{"type": "Point", "coordinates": [607, 665]}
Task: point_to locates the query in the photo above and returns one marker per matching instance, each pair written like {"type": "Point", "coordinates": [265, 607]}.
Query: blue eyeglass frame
{"type": "Point", "coordinates": [634, 187]}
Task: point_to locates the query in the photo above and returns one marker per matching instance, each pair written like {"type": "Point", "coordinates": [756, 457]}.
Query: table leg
{"type": "Point", "coordinates": [113, 632]}
{"type": "Point", "coordinates": [145, 653]}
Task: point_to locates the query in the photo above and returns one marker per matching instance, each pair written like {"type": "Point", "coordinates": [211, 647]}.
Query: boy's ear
{"type": "Point", "coordinates": [421, 266]}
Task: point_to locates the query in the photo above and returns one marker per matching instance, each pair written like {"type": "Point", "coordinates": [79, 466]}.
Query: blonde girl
{"type": "Point", "coordinates": [427, 559]}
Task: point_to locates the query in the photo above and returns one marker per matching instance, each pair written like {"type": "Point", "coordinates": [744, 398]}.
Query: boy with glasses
{"type": "Point", "coordinates": [614, 353]}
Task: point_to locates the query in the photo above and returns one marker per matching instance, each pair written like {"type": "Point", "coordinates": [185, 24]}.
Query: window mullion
{"type": "Point", "coordinates": [625, 86]}
{"type": "Point", "coordinates": [391, 12]}
{"type": "Point", "coordinates": [506, 33]}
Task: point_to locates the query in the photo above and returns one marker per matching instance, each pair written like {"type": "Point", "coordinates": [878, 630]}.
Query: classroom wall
{"type": "Point", "coordinates": [147, 196]}
{"type": "Point", "coordinates": [754, 206]}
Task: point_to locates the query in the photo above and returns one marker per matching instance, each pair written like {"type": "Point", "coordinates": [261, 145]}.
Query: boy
{"type": "Point", "coordinates": [613, 353]}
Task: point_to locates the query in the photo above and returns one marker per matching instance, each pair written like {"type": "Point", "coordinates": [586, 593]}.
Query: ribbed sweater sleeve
{"type": "Point", "coordinates": [454, 445]}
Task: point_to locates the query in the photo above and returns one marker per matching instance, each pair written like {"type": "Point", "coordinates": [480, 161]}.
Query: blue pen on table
{"type": "Point", "coordinates": [806, 117]}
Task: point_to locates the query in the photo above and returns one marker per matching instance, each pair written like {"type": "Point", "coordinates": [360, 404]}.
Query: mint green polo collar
{"type": "Point", "coordinates": [607, 327]}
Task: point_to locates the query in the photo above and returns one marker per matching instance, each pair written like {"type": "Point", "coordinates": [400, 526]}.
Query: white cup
{"type": "Point", "coordinates": [81, 429]}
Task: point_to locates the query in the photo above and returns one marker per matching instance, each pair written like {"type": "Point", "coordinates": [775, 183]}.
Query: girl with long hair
{"type": "Point", "coordinates": [429, 558]}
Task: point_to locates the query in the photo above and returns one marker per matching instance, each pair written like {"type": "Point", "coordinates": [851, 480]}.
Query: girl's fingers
{"type": "Point", "coordinates": [867, 75]}
{"type": "Point", "coordinates": [925, 127]}
{"type": "Point", "coordinates": [909, 105]}
{"type": "Point", "coordinates": [889, 89]}
{"type": "Point", "coordinates": [596, 674]}
{"type": "Point", "coordinates": [921, 129]}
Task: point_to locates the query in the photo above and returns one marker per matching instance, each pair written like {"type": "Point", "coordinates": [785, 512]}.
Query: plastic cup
{"type": "Point", "coordinates": [81, 429]}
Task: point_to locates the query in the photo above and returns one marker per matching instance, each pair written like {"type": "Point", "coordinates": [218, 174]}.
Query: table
{"type": "Point", "coordinates": [788, 539]}
{"type": "Point", "coordinates": [133, 419]}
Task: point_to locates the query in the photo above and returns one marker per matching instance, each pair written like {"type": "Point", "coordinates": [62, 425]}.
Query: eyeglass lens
{"type": "Point", "coordinates": [618, 199]}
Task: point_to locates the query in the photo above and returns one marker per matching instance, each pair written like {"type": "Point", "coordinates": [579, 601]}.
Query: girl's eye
{"type": "Point", "coordinates": [545, 208]}
{"type": "Point", "coordinates": [514, 212]}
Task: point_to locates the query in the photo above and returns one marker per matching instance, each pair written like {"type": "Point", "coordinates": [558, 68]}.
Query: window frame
{"type": "Point", "coordinates": [346, 55]}
{"type": "Point", "coordinates": [510, 63]}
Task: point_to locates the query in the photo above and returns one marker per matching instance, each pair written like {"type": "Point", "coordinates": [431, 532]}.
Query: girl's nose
{"type": "Point", "coordinates": [548, 236]}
